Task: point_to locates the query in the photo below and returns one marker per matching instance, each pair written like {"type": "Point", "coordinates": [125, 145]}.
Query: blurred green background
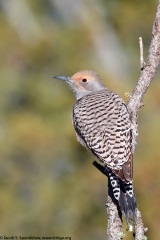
{"type": "Point", "coordinates": [48, 186]}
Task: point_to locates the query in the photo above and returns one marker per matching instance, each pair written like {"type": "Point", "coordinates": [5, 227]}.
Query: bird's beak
{"type": "Point", "coordinates": [63, 78]}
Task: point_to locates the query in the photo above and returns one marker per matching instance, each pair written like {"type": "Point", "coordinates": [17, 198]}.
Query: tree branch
{"type": "Point", "coordinates": [147, 74]}
{"type": "Point", "coordinates": [114, 229]}
{"type": "Point", "coordinates": [141, 53]}
{"type": "Point", "coordinates": [148, 71]}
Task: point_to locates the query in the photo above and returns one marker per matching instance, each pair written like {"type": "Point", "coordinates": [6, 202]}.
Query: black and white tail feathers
{"type": "Point", "coordinates": [124, 194]}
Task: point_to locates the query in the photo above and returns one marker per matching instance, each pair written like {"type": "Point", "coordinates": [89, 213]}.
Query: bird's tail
{"type": "Point", "coordinates": [124, 195]}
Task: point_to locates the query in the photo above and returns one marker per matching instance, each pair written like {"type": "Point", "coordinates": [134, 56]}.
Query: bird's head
{"type": "Point", "coordinates": [83, 82]}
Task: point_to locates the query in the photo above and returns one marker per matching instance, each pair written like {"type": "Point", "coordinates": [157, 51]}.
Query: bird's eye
{"type": "Point", "coordinates": [84, 80]}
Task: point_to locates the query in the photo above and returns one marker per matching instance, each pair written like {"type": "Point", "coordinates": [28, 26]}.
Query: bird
{"type": "Point", "coordinates": [102, 124]}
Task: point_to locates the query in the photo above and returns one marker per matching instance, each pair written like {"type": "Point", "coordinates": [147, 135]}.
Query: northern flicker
{"type": "Point", "coordinates": [102, 125]}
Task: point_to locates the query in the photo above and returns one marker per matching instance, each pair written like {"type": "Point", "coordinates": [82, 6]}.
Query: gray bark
{"type": "Point", "coordinates": [135, 102]}
{"type": "Point", "coordinates": [148, 71]}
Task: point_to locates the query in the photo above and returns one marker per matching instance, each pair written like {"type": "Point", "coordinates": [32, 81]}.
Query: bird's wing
{"type": "Point", "coordinates": [106, 132]}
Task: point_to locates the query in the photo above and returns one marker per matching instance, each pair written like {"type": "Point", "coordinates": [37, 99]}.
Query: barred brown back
{"type": "Point", "coordinates": [102, 125]}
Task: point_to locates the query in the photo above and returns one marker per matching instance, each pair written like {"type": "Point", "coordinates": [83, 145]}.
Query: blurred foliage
{"type": "Point", "coordinates": [48, 186]}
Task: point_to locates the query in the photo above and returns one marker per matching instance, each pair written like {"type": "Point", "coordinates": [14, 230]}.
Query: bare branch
{"type": "Point", "coordinates": [147, 74]}
{"type": "Point", "coordinates": [139, 228]}
{"type": "Point", "coordinates": [148, 71]}
{"type": "Point", "coordinates": [114, 229]}
{"type": "Point", "coordinates": [141, 53]}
